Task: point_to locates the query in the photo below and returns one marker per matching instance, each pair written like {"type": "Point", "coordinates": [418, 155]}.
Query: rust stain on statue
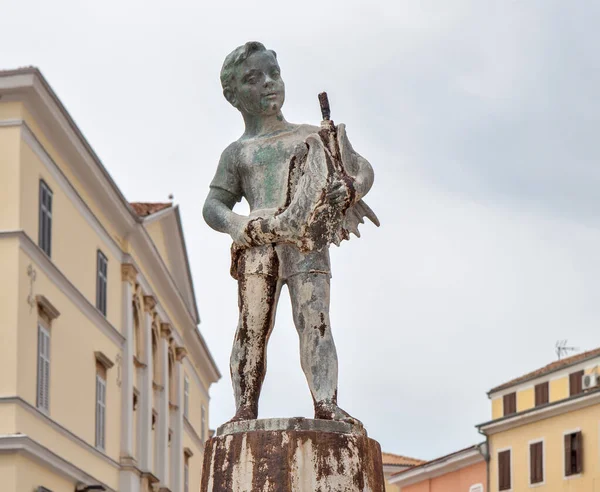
{"type": "Point", "coordinates": [271, 455]}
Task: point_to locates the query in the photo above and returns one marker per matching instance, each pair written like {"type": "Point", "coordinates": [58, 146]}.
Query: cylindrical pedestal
{"type": "Point", "coordinates": [292, 455]}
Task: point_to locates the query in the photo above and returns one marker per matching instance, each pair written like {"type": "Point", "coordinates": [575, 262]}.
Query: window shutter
{"type": "Point", "coordinates": [41, 368]}
{"type": "Point", "coordinates": [541, 394]}
{"type": "Point", "coordinates": [504, 477]}
{"type": "Point", "coordinates": [568, 452]}
{"type": "Point", "coordinates": [510, 403]}
{"type": "Point", "coordinates": [575, 383]}
{"type": "Point", "coordinates": [578, 445]}
{"type": "Point", "coordinates": [536, 462]}
{"type": "Point", "coordinates": [100, 412]}
{"type": "Point", "coordinates": [43, 382]}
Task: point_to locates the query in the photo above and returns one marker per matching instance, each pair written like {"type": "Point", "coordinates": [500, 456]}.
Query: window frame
{"type": "Point", "coordinates": [44, 361]}
{"type": "Point", "coordinates": [530, 444]}
{"type": "Point", "coordinates": [101, 282]}
{"type": "Point", "coordinates": [576, 474]}
{"type": "Point", "coordinates": [100, 423]}
{"type": "Point", "coordinates": [45, 218]}
{"type": "Point", "coordinates": [510, 468]}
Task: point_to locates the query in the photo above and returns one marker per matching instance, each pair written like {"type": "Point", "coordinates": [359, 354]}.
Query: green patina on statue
{"type": "Point", "coordinates": [304, 185]}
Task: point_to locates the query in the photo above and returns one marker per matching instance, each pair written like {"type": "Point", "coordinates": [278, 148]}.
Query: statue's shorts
{"type": "Point", "coordinates": [281, 261]}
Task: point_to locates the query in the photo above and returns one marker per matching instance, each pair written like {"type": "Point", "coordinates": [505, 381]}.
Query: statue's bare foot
{"type": "Point", "coordinates": [244, 413]}
{"type": "Point", "coordinates": [328, 410]}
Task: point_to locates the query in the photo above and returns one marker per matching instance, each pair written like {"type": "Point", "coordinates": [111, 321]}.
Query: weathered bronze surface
{"type": "Point", "coordinates": [304, 185]}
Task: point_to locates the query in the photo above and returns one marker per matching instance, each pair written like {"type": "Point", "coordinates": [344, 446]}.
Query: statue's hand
{"type": "Point", "coordinates": [239, 233]}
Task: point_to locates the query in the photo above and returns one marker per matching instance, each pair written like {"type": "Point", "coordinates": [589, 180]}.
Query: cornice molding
{"type": "Point", "coordinates": [535, 414]}
{"type": "Point", "coordinates": [103, 359]}
{"type": "Point", "coordinates": [65, 285]}
{"type": "Point", "coordinates": [46, 309]}
{"type": "Point", "coordinates": [17, 400]}
{"type": "Point", "coordinates": [21, 443]}
{"type": "Point", "coordinates": [189, 428]}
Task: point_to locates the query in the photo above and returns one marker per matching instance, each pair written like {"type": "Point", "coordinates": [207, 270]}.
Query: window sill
{"type": "Point", "coordinates": [572, 477]}
{"type": "Point", "coordinates": [536, 485]}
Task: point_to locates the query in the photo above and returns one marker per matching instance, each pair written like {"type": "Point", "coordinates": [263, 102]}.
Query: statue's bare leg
{"type": "Point", "coordinates": [257, 298]}
{"type": "Point", "coordinates": [309, 293]}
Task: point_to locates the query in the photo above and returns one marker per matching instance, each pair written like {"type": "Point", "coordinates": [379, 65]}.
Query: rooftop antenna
{"type": "Point", "coordinates": [562, 349]}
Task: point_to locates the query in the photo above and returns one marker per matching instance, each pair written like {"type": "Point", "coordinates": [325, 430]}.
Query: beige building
{"type": "Point", "coordinates": [104, 375]}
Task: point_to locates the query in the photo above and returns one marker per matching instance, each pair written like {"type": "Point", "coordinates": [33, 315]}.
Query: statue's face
{"type": "Point", "coordinates": [259, 88]}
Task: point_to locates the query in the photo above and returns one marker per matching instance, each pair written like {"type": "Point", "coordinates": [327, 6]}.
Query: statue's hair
{"type": "Point", "coordinates": [236, 57]}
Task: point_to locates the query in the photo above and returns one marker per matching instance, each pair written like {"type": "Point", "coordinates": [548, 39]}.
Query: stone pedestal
{"type": "Point", "coordinates": [292, 455]}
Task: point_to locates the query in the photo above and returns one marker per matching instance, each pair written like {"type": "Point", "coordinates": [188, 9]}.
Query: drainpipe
{"type": "Point", "coordinates": [486, 456]}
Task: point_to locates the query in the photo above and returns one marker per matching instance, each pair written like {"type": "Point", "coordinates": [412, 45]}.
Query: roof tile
{"type": "Point", "coordinates": [553, 366]}
{"type": "Point", "coordinates": [144, 209]}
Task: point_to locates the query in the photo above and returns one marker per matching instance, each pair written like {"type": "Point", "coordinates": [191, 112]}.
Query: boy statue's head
{"type": "Point", "coordinates": [251, 80]}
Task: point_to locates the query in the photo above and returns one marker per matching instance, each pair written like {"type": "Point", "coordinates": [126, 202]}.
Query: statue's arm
{"type": "Point", "coordinates": [218, 214]}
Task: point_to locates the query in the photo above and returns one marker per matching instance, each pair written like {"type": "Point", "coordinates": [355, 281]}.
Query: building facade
{"type": "Point", "coordinates": [545, 428]}
{"type": "Point", "coordinates": [105, 375]}
{"type": "Point", "coordinates": [462, 471]}
{"type": "Point", "coordinates": [395, 463]}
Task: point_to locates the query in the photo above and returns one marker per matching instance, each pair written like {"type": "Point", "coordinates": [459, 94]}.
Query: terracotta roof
{"type": "Point", "coordinates": [143, 209]}
{"type": "Point", "coordinates": [423, 464]}
{"type": "Point", "coordinates": [399, 460]}
{"type": "Point", "coordinates": [554, 366]}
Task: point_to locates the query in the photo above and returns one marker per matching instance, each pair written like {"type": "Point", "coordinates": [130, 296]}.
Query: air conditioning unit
{"type": "Point", "coordinates": [589, 381]}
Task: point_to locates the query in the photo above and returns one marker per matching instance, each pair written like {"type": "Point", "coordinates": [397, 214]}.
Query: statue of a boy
{"type": "Point", "coordinates": [268, 251]}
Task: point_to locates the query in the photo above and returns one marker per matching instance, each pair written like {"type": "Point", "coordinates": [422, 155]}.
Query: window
{"type": "Point", "coordinates": [45, 219]}
{"type": "Point", "coordinates": [43, 370]}
{"type": "Point", "coordinates": [203, 424]}
{"type": "Point", "coordinates": [155, 366]}
{"type": "Point", "coordinates": [575, 386]}
{"type": "Point", "coordinates": [186, 397]}
{"type": "Point", "coordinates": [101, 281]}
{"type": "Point", "coordinates": [541, 394]}
{"type": "Point", "coordinates": [186, 473]}
{"type": "Point", "coordinates": [504, 478]}
{"type": "Point", "coordinates": [536, 462]}
{"type": "Point", "coordinates": [100, 406]}
{"type": "Point", "coordinates": [573, 453]}
{"type": "Point", "coordinates": [510, 403]}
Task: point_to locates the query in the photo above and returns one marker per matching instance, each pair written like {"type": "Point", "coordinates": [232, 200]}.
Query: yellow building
{"type": "Point", "coordinates": [104, 375]}
{"type": "Point", "coordinates": [545, 428]}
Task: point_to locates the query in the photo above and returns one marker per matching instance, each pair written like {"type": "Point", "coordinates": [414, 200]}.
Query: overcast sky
{"type": "Point", "coordinates": [481, 120]}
